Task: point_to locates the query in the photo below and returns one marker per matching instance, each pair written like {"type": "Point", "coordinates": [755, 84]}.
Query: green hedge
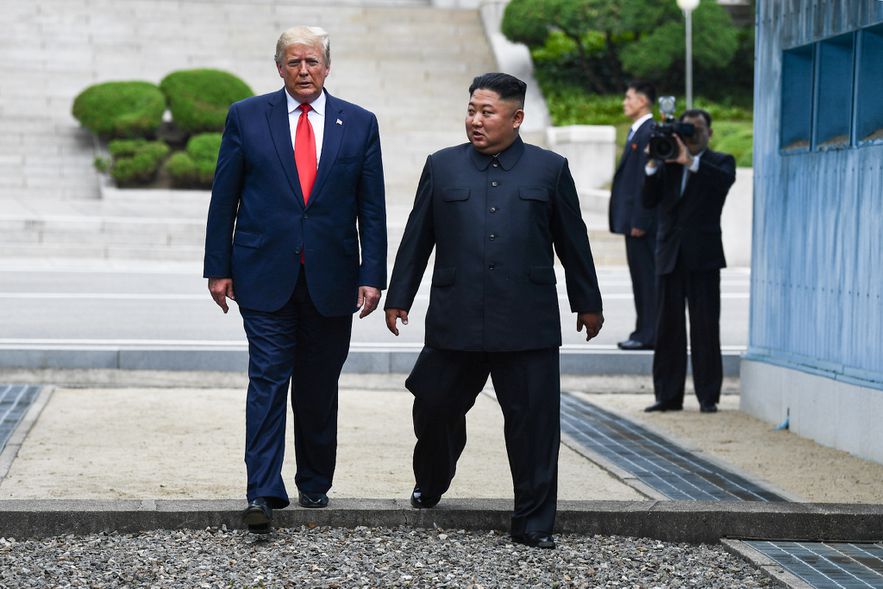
{"type": "Point", "coordinates": [199, 98]}
{"type": "Point", "coordinates": [136, 161]}
{"type": "Point", "coordinates": [195, 168]}
{"type": "Point", "coordinates": [120, 109]}
{"type": "Point", "coordinates": [732, 123]}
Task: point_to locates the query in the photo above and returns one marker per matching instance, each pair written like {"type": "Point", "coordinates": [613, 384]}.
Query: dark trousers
{"type": "Point", "coordinates": [445, 384]}
{"type": "Point", "coordinates": [701, 290]}
{"type": "Point", "coordinates": [297, 347]}
{"type": "Point", "coordinates": [639, 252]}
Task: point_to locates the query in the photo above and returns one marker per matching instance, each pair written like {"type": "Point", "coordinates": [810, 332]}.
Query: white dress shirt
{"type": "Point", "coordinates": [637, 125]}
{"type": "Point", "coordinates": [316, 117]}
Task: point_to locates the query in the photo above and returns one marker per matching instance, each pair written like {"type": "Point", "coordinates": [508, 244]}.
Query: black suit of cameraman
{"type": "Point", "coordinates": [690, 191]}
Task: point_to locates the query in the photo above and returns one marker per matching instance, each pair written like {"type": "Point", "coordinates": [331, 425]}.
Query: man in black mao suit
{"type": "Point", "coordinates": [629, 218]}
{"type": "Point", "coordinates": [689, 192]}
{"type": "Point", "coordinates": [493, 209]}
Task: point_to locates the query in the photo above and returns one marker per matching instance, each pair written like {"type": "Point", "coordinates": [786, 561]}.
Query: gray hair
{"type": "Point", "coordinates": [301, 35]}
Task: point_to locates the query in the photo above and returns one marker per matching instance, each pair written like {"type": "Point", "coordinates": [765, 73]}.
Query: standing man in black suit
{"type": "Point", "coordinates": [629, 218]}
{"type": "Point", "coordinates": [690, 191]}
{"type": "Point", "coordinates": [493, 209]}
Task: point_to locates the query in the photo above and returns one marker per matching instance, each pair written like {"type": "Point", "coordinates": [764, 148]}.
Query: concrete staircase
{"type": "Point", "coordinates": [407, 62]}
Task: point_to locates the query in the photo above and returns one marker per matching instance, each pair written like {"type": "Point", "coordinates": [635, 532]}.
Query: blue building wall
{"type": "Point", "coordinates": [817, 259]}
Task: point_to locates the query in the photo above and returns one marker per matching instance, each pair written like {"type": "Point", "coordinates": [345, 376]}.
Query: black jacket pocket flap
{"type": "Point", "coordinates": [247, 239]}
{"type": "Point", "coordinates": [535, 193]}
{"type": "Point", "coordinates": [542, 275]}
{"type": "Point", "coordinates": [455, 194]}
{"type": "Point", "coordinates": [443, 276]}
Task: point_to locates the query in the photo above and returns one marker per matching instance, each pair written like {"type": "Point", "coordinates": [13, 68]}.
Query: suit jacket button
{"type": "Point", "coordinates": [493, 209]}
{"type": "Point", "coordinates": [491, 267]}
{"type": "Point", "coordinates": [494, 183]}
{"type": "Point", "coordinates": [297, 250]}
{"type": "Point", "coordinates": [493, 237]}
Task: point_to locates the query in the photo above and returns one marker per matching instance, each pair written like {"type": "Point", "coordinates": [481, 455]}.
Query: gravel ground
{"type": "Point", "coordinates": [363, 557]}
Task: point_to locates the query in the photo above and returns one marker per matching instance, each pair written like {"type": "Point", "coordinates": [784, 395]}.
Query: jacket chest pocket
{"type": "Point", "coordinates": [455, 195]}
{"type": "Point", "coordinates": [531, 194]}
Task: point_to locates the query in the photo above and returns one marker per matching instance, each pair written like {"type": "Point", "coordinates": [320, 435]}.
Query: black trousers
{"type": "Point", "coordinates": [445, 384]}
{"type": "Point", "coordinates": [641, 259]}
{"type": "Point", "coordinates": [701, 291]}
{"type": "Point", "coordinates": [294, 346]}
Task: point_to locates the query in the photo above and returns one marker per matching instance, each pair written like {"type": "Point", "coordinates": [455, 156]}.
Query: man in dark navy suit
{"type": "Point", "coordinates": [689, 191]}
{"type": "Point", "coordinates": [629, 218]}
{"type": "Point", "coordinates": [298, 188]}
{"type": "Point", "coordinates": [493, 209]}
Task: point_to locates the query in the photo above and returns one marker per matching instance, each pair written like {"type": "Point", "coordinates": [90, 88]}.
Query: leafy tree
{"type": "Point", "coordinates": [601, 44]}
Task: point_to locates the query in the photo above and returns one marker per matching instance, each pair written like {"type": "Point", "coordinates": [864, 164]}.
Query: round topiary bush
{"type": "Point", "coordinates": [195, 168]}
{"type": "Point", "coordinates": [136, 161]}
{"type": "Point", "coordinates": [199, 99]}
{"type": "Point", "coordinates": [120, 109]}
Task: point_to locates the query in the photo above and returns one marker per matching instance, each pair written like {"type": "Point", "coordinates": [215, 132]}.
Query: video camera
{"type": "Point", "coordinates": [663, 145]}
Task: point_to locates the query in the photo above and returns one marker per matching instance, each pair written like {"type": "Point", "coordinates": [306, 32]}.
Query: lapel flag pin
{"type": "Point", "coordinates": [339, 122]}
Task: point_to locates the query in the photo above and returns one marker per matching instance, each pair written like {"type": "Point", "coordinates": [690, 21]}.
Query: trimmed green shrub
{"type": "Point", "coordinates": [136, 161]}
{"type": "Point", "coordinates": [734, 137]}
{"type": "Point", "coordinates": [199, 98]}
{"type": "Point", "coordinates": [195, 168]}
{"type": "Point", "coordinates": [120, 109]}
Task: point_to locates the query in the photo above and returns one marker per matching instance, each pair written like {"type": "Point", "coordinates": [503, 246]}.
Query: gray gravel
{"type": "Point", "coordinates": [363, 557]}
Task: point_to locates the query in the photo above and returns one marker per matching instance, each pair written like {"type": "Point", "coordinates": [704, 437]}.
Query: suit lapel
{"type": "Point", "coordinates": [335, 127]}
{"type": "Point", "coordinates": [280, 131]}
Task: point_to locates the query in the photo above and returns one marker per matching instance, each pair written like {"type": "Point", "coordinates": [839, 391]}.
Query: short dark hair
{"type": "Point", "coordinates": [508, 87]}
{"type": "Point", "coordinates": [697, 112]}
{"type": "Point", "coordinates": [645, 88]}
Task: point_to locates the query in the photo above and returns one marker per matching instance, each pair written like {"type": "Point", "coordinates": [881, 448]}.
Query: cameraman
{"type": "Point", "coordinates": [689, 191]}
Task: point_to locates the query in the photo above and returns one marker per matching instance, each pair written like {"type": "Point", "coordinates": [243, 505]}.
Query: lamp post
{"type": "Point", "coordinates": [688, 6]}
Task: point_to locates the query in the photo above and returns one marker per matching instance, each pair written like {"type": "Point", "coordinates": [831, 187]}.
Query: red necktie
{"type": "Point", "coordinates": [305, 152]}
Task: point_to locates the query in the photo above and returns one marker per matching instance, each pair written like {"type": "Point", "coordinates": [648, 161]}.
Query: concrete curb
{"type": "Point", "coordinates": [364, 358]}
{"type": "Point", "coordinates": [673, 521]}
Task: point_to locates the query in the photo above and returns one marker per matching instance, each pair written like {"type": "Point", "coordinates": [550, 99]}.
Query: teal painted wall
{"type": "Point", "coordinates": [817, 258]}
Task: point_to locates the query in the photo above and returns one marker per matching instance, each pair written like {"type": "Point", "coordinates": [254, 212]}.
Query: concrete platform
{"type": "Point", "coordinates": [135, 450]}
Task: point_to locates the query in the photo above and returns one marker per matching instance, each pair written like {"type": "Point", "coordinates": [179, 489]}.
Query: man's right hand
{"type": "Point", "coordinates": [392, 315]}
{"type": "Point", "coordinates": [221, 289]}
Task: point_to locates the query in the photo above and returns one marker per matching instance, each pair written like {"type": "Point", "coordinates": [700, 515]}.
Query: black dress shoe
{"type": "Point", "coordinates": [658, 406]}
{"type": "Point", "coordinates": [708, 408]}
{"type": "Point", "coordinates": [630, 345]}
{"type": "Point", "coordinates": [421, 501]}
{"type": "Point", "coordinates": [535, 540]}
{"type": "Point", "coordinates": [257, 516]}
{"type": "Point", "coordinates": [312, 500]}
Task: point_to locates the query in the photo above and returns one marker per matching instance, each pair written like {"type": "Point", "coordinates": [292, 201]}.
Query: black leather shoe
{"type": "Point", "coordinates": [421, 501]}
{"type": "Point", "coordinates": [257, 516]}
{"type": "Point", "coordinates": [630, 345]}
{"type": "Point", "coordinates": [312, 500]}
{"type": "Point", "coordinates": [708, 408]}
{"type": "Point", "coordinates": [535, 540]}
{"type": "Point", "coordinates": [662, 407]}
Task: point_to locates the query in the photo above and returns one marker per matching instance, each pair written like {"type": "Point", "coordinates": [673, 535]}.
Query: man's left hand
{"type": "Point", "coordinates": [685, 158]}
{"type": "Point", "coordinates": [368, 299]}
{"type": "Point", "coordinates": [592, 321]}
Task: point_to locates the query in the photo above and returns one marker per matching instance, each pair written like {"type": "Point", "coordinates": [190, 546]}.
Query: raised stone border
{"type": "Point", "coordinates": [671, 521]}
{"type": "Point", "coordinates": [363, 358]}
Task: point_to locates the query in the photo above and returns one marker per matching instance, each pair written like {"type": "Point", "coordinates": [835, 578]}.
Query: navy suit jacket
{"type": "Point", "coordinates": [493, 224]}
{"type": "Point", "coordinates": [258, 225]}
{"type": "Point", "coordinates": [626, 210]}
{"type": "Point", "coordinates": [690, 224]}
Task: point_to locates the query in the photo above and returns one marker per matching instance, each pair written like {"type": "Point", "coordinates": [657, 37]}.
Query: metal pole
{"type": "Point", "coordinates": [688, 15]}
